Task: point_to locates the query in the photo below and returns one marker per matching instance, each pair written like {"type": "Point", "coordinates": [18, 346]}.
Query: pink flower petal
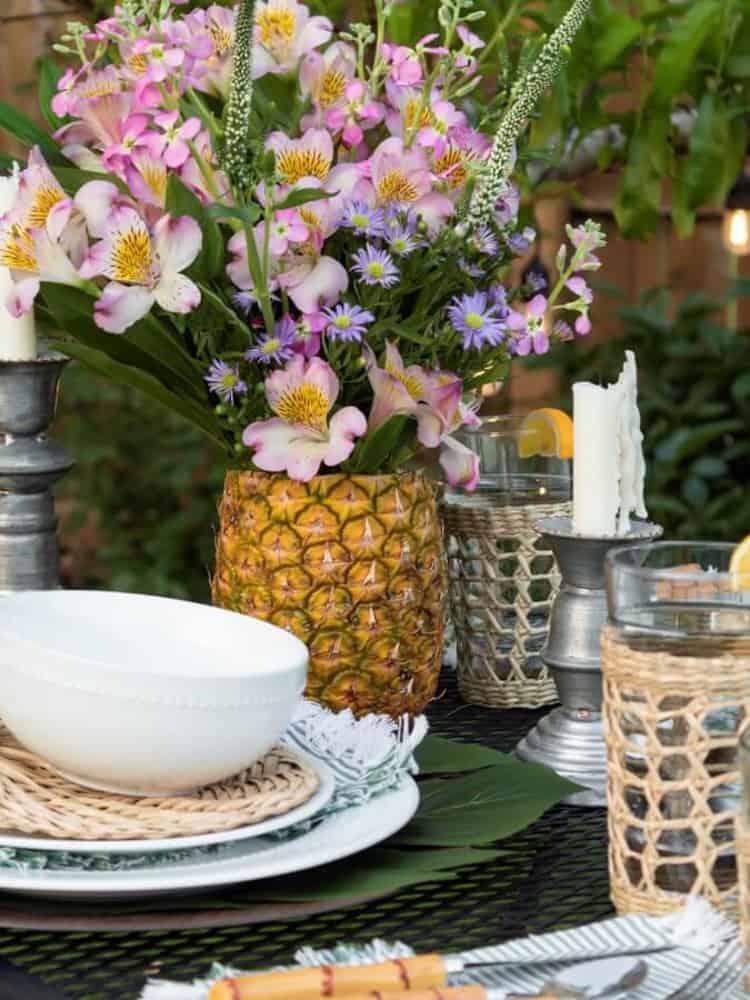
{"type": "Point", "coordinates": [460, 464]}
{"type": "Point", "coordinates": [177, 294]}
{"type": "Point", "coordinates": [323, 285]}
{"type": "Point", "coordinates": [119, 306]}
{"type": "Point", "coordinates": [177, 242]}
{"type": "Point", "coordinates": [345, 427]}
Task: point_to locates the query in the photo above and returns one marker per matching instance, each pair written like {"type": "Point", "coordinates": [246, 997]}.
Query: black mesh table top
{"type": "Point", "coordinates": [551, 875]}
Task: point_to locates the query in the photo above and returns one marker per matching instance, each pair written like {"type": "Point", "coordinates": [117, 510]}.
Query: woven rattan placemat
{"type": "Point", "coordinates": [34, 798]}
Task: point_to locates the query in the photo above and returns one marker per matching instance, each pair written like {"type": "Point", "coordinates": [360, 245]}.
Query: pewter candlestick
{"type": "Point", "coordinates": [570, 739]}
{"type": "Point", "coordinates": [29, 465]}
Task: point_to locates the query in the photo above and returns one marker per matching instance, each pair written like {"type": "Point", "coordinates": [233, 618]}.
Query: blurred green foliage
{"type": "Point", "coordinates": [139, 507]}
{"type": "Point", "coordinates": [694, 398]}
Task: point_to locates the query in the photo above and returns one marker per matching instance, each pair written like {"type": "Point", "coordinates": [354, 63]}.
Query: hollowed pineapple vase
{"type": "Point", "coordinates": [352, 565]}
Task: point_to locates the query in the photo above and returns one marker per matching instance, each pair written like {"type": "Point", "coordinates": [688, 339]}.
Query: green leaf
{"type": "Point", "coordinates": [436, 755]}
{"type": "Point", "coordinates": [378, 871]}
{"type": "Point", "coordinates": [485, 806]}
{"type": "Point", "coordinates": [616, 33]}
{"type": "Point", "coordinates": [687, 441]}
{"type": "Point", "coordinates": [49, 75]}
{"type": "Point", "coordinates": [677, 58]}
{"type": "Point", "coordinates": [373, 450]}
{"type": "Point", "coordinates": [29, 133]}
{"type": "Point", "coordinates": [138, 378]}
{"type": "Point", "coordinates": [243, 213]}
{"type": "Point", "coordinates": [72, 178]}
{"type": "Point", "coordinates": [302, 197]}
{"type": "Point", "coordinates": [181, 201]}
{"type": "Point", "coordinates": [638, 202]}
{"type": "Point", "coordinates": [146, 345]}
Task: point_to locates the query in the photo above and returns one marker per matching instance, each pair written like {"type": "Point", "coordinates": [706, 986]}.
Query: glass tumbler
{"type": "Point", "coordinates": [503, 578]}
{"type": "Point", "coordinates": [676, 666]}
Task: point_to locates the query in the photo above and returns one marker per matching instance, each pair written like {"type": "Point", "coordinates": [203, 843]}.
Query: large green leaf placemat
{"type": "Point", "coordinates": [471, 797]}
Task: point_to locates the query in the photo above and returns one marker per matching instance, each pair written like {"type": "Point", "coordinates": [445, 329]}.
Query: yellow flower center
{"type": "Point", "coordinates": [271, 346]}
{"type": "Point", "coordinates": [104, 85]}
{"type": "Point", "coordinates": [222, 38]}
{"type": "Point", "coordinates": [276, 27]}
{"type": "Point", "coordinates": [154, 173]}
{"type": "Point", "coordinates": [131, 257]}
{"type": "Point", "coordinates": [396, 186]}
{"type": "Point", "coordinates": [137, 62]}
{"type": "Point", "coordinates": [332, 88]}
{"type": "Point", "coordinates": [411, 383]}
{"type": "Point", "coordinates": [452, 165]}
{"type": "Point", "coordinates": [473, 320]}
{"type": "Point", "coordinates": [309, 218]}
{"type": "Point", "coordinates": [411, 110]}
{"type": "Point", "coordinates": [304, 404]}
{"type": "Point", "coordinates": [294, 164]}
{"type": "Point", "coordinates": [18, 252]}
{"type": "Point", "coordinates": [343, 322]}
{"type": "Point", "coordinates": [45, 199]}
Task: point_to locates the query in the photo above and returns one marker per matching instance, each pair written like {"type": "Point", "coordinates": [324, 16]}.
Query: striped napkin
{"type": "Point", "coordinates": [676, 948]}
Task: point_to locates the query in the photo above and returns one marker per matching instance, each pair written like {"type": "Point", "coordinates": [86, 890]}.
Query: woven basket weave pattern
{"type": "Point", "coordinates": [34, 798]}
{"type": "Point", "coordinates": [503, 580]}
{"type": "Point", "coordinates": [672, 768]}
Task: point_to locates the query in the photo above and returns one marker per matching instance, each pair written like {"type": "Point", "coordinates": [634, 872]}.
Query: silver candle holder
{"type": "Point", "coordinates": [29, 466]}
{"type": "Point", "coordinates": [570, 740]}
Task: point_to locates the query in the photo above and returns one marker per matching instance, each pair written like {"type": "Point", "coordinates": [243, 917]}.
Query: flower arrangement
{"type": "Point", "coordinates": [298, 238]}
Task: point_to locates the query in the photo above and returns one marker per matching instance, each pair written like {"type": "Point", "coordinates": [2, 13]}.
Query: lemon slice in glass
{"type": "Point", "coordinates": [739, 565]}
{"type": "Point", "coordinates": [546, 432]}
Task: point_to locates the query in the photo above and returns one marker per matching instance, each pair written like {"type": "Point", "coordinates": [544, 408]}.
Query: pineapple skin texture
{"type": "Point", "coordinates": [352, 565]}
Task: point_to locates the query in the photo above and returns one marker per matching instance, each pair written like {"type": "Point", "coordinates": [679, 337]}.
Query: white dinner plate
{"type": "Point", "coordinates": [336, 837]}
{"type": "Point", "coordinates": [321, 798]}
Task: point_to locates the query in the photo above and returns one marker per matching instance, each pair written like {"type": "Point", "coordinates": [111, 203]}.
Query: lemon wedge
{"type": "Point", "coordinates": [739, 565]}
{"type": "Point", "coordinates": [547, 432]}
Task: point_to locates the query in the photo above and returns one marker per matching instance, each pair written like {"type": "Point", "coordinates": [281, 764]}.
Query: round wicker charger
{"type": "Point", "coordinates": [34, 798]}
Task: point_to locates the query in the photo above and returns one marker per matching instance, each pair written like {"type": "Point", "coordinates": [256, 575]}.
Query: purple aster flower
{"type": "Point", "coordinates": [472, 270]}
{"type": "Point", "coordinates": [402, 240]}
{"type": "Point", "coordinates": [484, 241]}
{"type": "Point", "coordinates": [498, 297]}
{"type": "Point", "coordinates": [396, 217]}
{"type": "Point", "coordinates": [224, 380]}
{"type": "Point", "coordinates": [375, 267]}
{"type": "Point", "coordinates": [347, 322]}
{"type": "Point", "coordinates": [476, 319]}
{"type": "Point", "coordinates": [519, 243]}
{"type": "Point", "coordinates": [365, 221]}
{"type": "Point", "coordinates": [536, 281]}
{"type": "Point", "coordinates": [276, 347]}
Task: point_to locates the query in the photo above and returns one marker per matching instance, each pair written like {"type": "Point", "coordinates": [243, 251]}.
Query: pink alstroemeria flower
{"type": "Point", "coordinates": [171, 144]}
{"type": "Point", "coordinates": [213, 73]}
{"type": "Point", "coordinates": [41, 236]}
{"type": "Point", "coordinates": [301, 437]}
{"type": "Point", "coordinates": [286, 227]}
{"type": "Point", "coordinates": [357, 114]}
{"type": "Point", "coordinates": [284, 33]}
{"type": "Point", "coordinates": [323, 77]}
{"type": "Point", "coordinates": [82, 85]}
{"type": "Point", "coordinates": [433, 398]}
{"type": "Point", "coordinates": [309, 329]}
{"type": "Point", "coordinates": [403, 178]}
{"type": "Point", "coordinates": [529, 328]}
{"type": "Point", "coordinates": [134, 137]}
{"type": "Point", "coordinates": [147, 177]}
{"type": "Point", "coordinates": [405, 67]}
{"type": "Point", "coordinates": [312, 281]}
{"type": "Point", "coordinates": [162, 62]}
{"type": "Point", "coordinates": [143, 268]}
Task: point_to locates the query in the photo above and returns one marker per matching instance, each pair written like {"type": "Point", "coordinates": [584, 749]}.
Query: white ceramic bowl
{"type": "Point", "coordinates": [140, 694]}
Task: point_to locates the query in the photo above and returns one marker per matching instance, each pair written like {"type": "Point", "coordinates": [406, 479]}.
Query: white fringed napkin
{"type": "Point", "coordinates": [676, 948]}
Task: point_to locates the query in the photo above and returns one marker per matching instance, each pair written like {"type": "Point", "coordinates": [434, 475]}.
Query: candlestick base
{"type": "Point", "coordinates": [29, 466]}
{"type": "Point", "coordinates": [570, 740]}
